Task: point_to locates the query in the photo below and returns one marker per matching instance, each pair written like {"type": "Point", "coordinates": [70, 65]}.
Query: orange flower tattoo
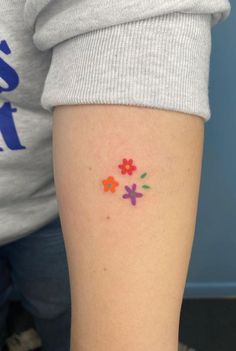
{"type": "Point", "coordinates": [110, 184]}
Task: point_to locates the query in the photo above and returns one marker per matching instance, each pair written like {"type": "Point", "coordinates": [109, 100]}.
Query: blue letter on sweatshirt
{"type": "Point", "coordinates": [7, 72]}
{"type": "Point", "coordinates": [8, 129]}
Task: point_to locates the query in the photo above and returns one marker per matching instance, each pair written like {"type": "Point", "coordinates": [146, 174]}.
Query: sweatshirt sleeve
{"type": "Point", "coordinates": [152, 53]}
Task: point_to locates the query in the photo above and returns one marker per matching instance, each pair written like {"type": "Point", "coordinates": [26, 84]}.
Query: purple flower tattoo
{"type": "Point", "coordinates": [132, 194]}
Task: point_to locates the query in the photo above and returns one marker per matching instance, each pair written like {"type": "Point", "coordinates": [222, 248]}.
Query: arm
{"type": "Point", "coordinates": [127, 263]}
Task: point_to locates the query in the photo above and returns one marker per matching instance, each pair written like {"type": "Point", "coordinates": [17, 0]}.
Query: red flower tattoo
{"type": "Point", "coordinates": [127, 166]}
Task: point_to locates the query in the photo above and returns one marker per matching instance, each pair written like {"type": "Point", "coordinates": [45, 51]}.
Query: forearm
{"type": "Point", "coordinates": [127, 263]}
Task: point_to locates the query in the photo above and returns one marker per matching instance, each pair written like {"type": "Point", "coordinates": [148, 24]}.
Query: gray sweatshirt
{"type": "Point", "coordinates": [152, 53]}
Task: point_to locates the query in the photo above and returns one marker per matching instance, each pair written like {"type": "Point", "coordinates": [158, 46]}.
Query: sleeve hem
{"type": "Point", "coordinates": [161, 62]}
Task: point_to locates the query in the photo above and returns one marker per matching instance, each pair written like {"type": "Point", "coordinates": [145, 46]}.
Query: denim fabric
{"type": "Point", "coordinates": [34, 270]}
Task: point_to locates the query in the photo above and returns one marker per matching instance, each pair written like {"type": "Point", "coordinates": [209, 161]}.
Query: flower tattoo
{"type": "Point", "coordinates": [127, 166]}
{"type": "Point", "coordinates": [132, 194]}
{"type": "Point", "coordinates": [110, 184]}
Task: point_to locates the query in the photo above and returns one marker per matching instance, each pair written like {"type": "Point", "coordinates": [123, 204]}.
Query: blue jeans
{"type": "Point", "coordinates": [34, 270]}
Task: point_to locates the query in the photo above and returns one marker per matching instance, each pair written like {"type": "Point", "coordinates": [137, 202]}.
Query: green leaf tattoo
{"type": "Point", "coordinates": [145, 186]}
{"type": "Point", "coordinates": [143, 175]}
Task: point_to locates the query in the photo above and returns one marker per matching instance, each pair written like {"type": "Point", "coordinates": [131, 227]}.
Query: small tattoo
{"type": "Point", "coordinates": [145, 186]}
{"type": "Point", "coordinates": [143, 175]}
{"type": "Point", "coordinates": [127, 166]}
{"type": "Point", "coordinates": [132, 194]}
{"type": "Point", "coordinates": [110, 184]}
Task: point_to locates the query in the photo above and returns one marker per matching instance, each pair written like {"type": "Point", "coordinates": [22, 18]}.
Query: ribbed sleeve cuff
{"type": "Point", "coordinates": [161, 62]}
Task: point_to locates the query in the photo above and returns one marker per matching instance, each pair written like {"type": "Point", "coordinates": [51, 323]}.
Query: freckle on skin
{"type": "Point", "coordinates": [90, 168]}
{"type": "Point", "coordinates": [108, 217]}
{"type": "Point", "coordinates": [105, 269]}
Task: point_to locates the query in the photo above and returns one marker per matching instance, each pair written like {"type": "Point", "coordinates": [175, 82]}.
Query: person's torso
{"type": "Point", "coordinates": [27, 194]}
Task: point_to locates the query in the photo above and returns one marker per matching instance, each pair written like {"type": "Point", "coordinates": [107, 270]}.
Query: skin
{"type": "Point", "coordinates": [127, 264]}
